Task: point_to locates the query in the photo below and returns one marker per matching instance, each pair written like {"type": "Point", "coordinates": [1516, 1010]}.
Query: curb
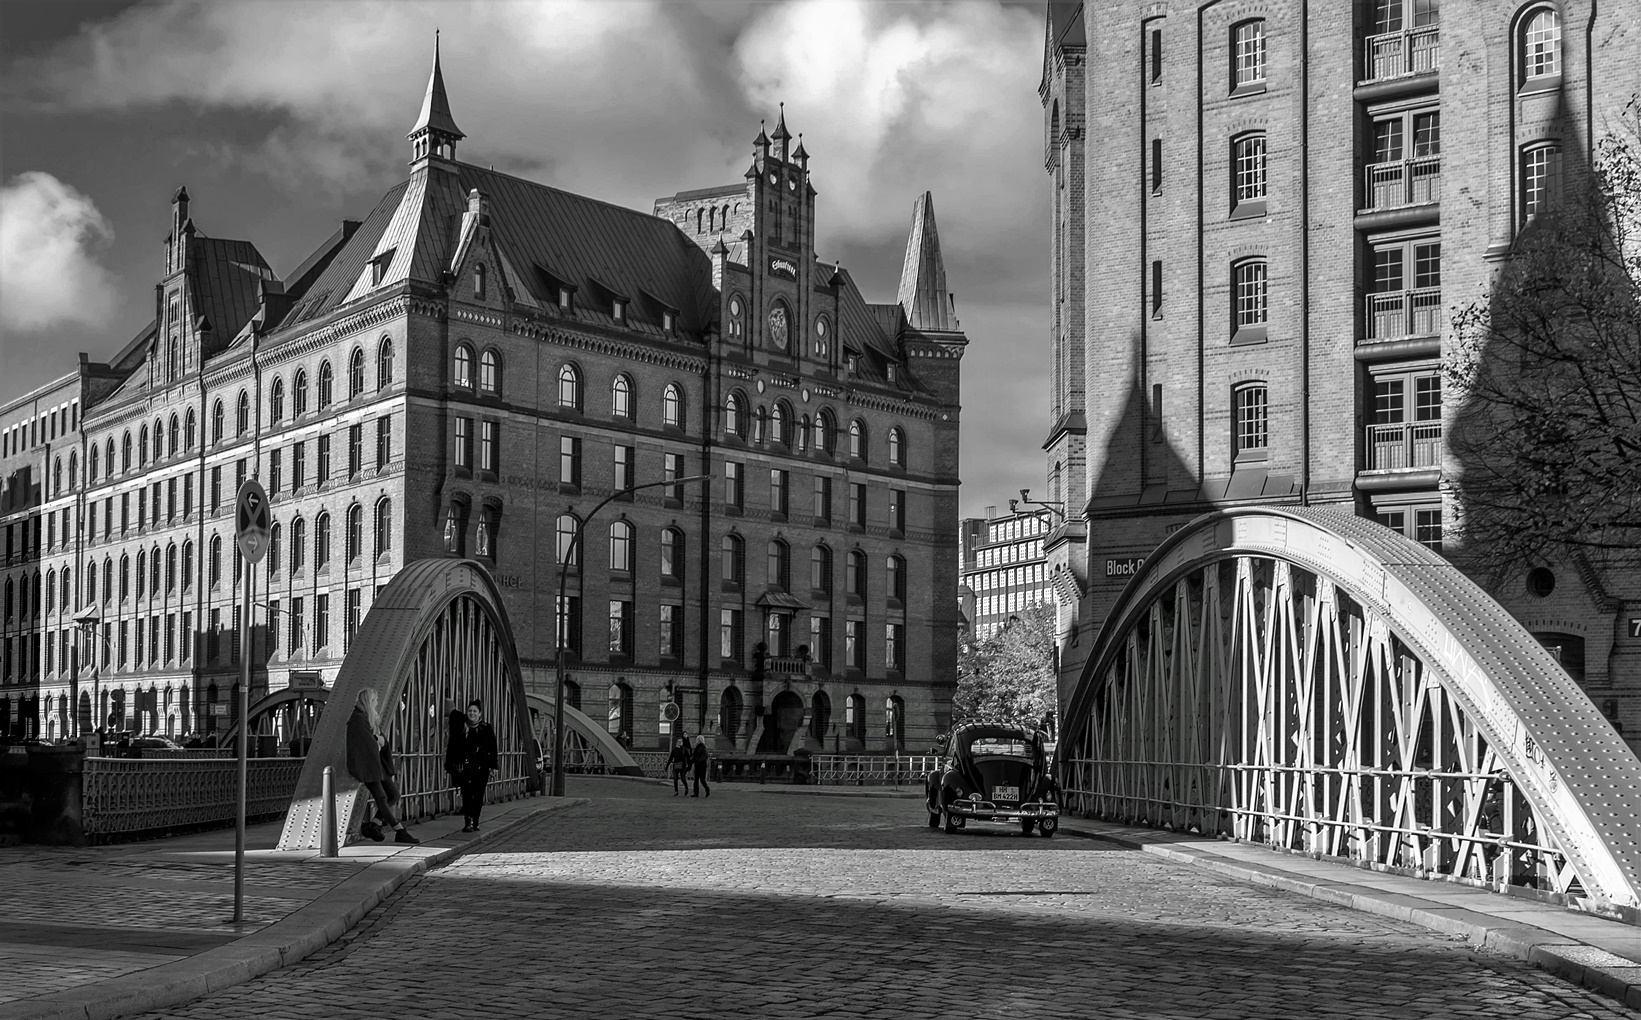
{"type": "Point", "coordinates": [1566, 957]}
{"type": "Point", "coordinates": [301, 933]}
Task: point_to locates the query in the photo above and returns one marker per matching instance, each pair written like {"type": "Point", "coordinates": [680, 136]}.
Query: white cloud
{"type": "Point", "coordinates": [50, 235]}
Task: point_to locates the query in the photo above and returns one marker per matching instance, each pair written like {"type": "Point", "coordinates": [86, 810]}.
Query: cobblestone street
{"type": "Point", "coordinates": [764, 904]}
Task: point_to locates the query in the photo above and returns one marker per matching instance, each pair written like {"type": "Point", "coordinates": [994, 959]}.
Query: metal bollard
{"type": "Point", "coordinates": [327, 814]}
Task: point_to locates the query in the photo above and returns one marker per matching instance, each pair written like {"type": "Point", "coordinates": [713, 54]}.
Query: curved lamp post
{"type": "Point", "coordinates": [561, 621]}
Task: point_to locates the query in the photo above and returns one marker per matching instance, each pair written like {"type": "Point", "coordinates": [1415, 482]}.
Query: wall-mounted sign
{"type": "Point", "coordinates": [306, 680]}
{"type": "Point", "coordinates": [783, 267]}
{"type": "Point", "coordinates": [1635, 626]}
{"type": "Point", "coordinates": [1124, 568]}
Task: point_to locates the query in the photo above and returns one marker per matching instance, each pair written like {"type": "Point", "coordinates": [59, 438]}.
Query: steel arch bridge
{"type": "Point", "coordinates": [1313, 681]}
{"type": "Point", "coordinates": [437, 636]}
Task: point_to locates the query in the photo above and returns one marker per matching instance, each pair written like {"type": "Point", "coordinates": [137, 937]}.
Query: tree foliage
{"type": "Point", "coordinates": [1010, 675]}
{"type": "Point", "coordinates": [1547, 372]}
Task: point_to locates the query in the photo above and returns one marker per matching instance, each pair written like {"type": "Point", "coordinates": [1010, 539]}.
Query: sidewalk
{"type": "Point", "coordinates": [94, 932]}
{"type": "Point", "coordinates": [1602, 955]}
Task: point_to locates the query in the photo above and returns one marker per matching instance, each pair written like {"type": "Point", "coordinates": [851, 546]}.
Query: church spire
{"type": "Point", "coordinates": [435, 133]}
{"type": "Point", "coordinates": [923, 292]}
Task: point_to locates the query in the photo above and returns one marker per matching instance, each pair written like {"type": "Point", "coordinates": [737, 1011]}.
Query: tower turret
{"type": "Point", "coordinates": [435, 135]}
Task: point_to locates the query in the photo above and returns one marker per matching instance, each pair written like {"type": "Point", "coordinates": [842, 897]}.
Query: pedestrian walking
{"type": "Point", "coordinates": [480, 759]}
{"type": "Point", "coordinates": [699, 758]}
{"type": "Point", "coordinates": [370, 760]}
{"type": "Point", "coordinates": [678, 763]}
{"type": "Point", "coordinates": [455, 745]}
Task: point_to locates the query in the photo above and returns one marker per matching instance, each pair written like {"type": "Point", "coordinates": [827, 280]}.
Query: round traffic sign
{"type": "Point", "coordinates": [252, 522]}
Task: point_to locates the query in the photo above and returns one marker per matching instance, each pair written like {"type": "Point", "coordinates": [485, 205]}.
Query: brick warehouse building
{"type": "Point", "coordinates": [1265, 215]}
{"type": "Point", "coordinates": [462, 372]}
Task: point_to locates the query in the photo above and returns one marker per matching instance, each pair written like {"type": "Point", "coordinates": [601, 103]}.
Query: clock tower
{"type": "Point", "coordinates": [780, 248]}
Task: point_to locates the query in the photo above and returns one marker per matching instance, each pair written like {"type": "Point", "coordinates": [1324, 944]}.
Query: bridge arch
{"type": "Point", "coordinates": [1308, 679]}
{"type": "Point", "coordinates": [437, 636]}
{"type": "Point", "coordinates": [584, 738]}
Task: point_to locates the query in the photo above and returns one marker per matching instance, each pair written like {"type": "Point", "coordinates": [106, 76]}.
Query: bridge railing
{"type": "Point", "coordinates": [872, 769]}
{"type": "Point", "coordinates": [125, 798]}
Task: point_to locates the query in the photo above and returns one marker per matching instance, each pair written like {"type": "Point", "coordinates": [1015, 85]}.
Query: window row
{"type": "Point", "coordinates": [623, 402]}
{"type": "Point", "coordinates": [43, 428]}
{"type": "Point", "coordinates": [324, 390]}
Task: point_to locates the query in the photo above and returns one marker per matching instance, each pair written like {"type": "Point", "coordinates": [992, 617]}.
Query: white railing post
{"type": "Point", "coordinates": [327, 813]}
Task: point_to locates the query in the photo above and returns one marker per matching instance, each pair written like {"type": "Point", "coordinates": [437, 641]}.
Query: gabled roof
{"type": "Point", "coordinates": [1062, 28]}
{"type": "Point", "coordinates": [225, 278]}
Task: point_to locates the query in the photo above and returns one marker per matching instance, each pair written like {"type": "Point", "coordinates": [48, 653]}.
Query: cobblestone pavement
{"type": "Point", "coordinates": [747, 904]}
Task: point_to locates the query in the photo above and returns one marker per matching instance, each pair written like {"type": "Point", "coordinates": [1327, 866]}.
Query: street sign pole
{"type": "Point", "coordinates": [251, 529]}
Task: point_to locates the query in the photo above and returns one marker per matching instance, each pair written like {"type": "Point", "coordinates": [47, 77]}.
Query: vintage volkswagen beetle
{"type": "Point", "coordinates": [993, 772]}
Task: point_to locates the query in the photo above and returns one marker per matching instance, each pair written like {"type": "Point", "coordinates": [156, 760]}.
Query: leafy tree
{"type": "Point", "coordinates": [1010, 675]}
{"type": "Point", "coordinates": [1548, 370]}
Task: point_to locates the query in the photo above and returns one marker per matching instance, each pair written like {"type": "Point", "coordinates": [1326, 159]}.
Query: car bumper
{"type": "Point", "coordinates": [986, 811]}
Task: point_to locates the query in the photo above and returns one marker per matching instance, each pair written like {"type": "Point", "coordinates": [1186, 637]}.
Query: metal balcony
{"type": "Point", "coordinates": [1398, 54]}
{"type": "Point", "coordinates": [1404, 313]}
{"type": "Point", "coordinates": [1402, 182]}
{"type": "Point", "coordinates": [1404, 445]}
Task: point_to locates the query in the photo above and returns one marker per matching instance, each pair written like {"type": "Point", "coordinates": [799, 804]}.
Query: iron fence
{"type": "Point", "coordinates": [127, 797]}
{"type": "Point", "coordinates": [1394, 54]}
{"type": "Point", "coordinates": [873, 770]}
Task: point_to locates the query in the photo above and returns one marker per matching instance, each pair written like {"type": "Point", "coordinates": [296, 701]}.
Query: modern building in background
{"type": "Point", "coordinates": [1005, 570]}
{"type": "Point", "coordinates": [466, 371]}
{"type": "Point", "coordinates": [1265, 215]}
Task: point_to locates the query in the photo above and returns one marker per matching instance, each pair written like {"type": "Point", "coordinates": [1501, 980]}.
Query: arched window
{"type": "Point", "coordinates": [299, 544]}
{"type": "Point", "coordinates": [672, 554]}
{"type": "Point", "coordinates": [734, 562]}
{"type": "Point", "coordinates": [672, 406]}
{"type": "Point", "coordinates": [735, 415]}
{"type": "Point", "coordinates": [355, 542]}
{"type": "Point", "coordinates": [820, 568]}
{"type": "Point", "coordinates": [569, 388]}
{"type": "Point", "coordinates": [897, 447]}
{"type": "Point", "coordinates": [896, 580]}
{"type": "Point", "coordinates": [172, 433]}
{"type": "Point", "coordinates": [621, 546]}
{"type": "Point", "coordinates": [1249, 403]}
{"type": "Point", "coordinates": [356, 373]}
{"type": "Point", "coordinates": [823, 338]}
{"type": "Point", "coordinates": [779, 416]}
{"type": "Point", "coordinates": [51, 586]}
{"type": "Point", "coordinates": [326, 385]}
{"type": "Point", "coordinates": [217, 420]}
{"type": "Point", "coordinates": [854, 716]}
{"type": "Point", "coordinates": [187, 566]}
{"type": "Point", "coordinates": [214, 570]}
{"type": "Point", "coordinates": [321, 541]}
{"type": "Point", "coordinates": [125, 577]}
{"type": "Point", "coordinates": [490, 373]}
{"type": "Point", "coordinates": [1541, 45]}
{"type": "Point", "coordinates": [854, 581]}
{"type": "Point", "coordinates": [276, 401]}
{"type": "Point", "coordinates": [1248, 54]}
{"type": "Point", "coordinates": [825, 431]}
{"type": "Point", "coordinates": [760, 424]}
{"type": "Point", "coordinates": [1248, 300]}
{"type": "Point", "coordinates": [242, 418]}
{"type": "Point", "coordinates": [1248, 173]}
{"type": "Point", "coordinates": [620, 395]}
{"type": "Point", "coordinates": [384, 526]}
{"type": "Point", "coordinates": [568, 550]}
{"type": "Point", "coordinates": [384, 363]}
{"type": "Point", "coordinates": [478, 281]}
{"type": "Point", "coordinates": [275, 541]}
{"type": "Point", "coordinates": [857, 440]}
{"type": "Point", "coordinates": [125, 453]}
{"type": "Point", "coordinates": [93, 465]}
{"type": "Point", "coordinates": [729, 712]}
{"type": "Point", "coordinates": [620, 712]}
{"type": "Point", "coordinates": [780, 565]}
{"type": "Point", "coordinates": [464, 366]}
{"type": "Point", "coordinates": [142, 442]}
{"type": "Point", "coordinates": [187, 430]}
{"type": "Point", "coordinates": [171, 567]}
{"type": "Point", "coordinates": [90, 586]}
{"type": "Point", "coordinates": [299, 393]}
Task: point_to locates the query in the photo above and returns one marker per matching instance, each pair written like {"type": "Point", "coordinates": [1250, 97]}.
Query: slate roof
{"type": "Point", "coordinates": [578, 240]}
{"type": "Point", "coordinates": [225, 280]}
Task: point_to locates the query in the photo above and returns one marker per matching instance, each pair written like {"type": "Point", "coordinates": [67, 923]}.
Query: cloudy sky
{"type": "Point", "coordinates": [284, 118]}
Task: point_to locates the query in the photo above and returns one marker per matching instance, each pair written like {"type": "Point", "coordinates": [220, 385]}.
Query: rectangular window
{"type": "Point", "coordinates": [490, 446]}
{"type": "Point", "coordinates": [1420, 522]}
{"type": "Point", "coordinates": [384, 440]}
{"type": "Point", "coordinates": [1400, 174]}
{"type": "Point", "coordinates": [321, 621]}
{"type": "Point", "coordinates": [569, 461]}
{"type": "Point", "coordinates": [170, 499]}
{"type": "Point", "coordinates": [777, 491]}
{"type": "Point", "coordinates": [1251, 429]}
{"type": "Point", "coordinates": [1248, 295]}
{"type": "Point", "coordinates": [894, 646]}
{"type": "Point", "coordinates": [620, 627]}
{"type": "Point", "coordinates": [823, 499]}
{"type": "Point", "coordinates": [233, 638]}
{"type": "Point", "coordinates": [355, 603]}
{"type": "Point", "coordinates": [185, 646]}
{"type": "Point", "coordinates": [299, 466]}
{"type": "Point", "coordinates": [1156, 287]}
{"type": "Point", "coordinates": [322, 466]}
{"type": "Point", "coordinates": [241, 472]}
{"type": "Point", "coordinates": [1540, 179]}
{"type": "Point", "coordinates": [897, 510]}
{"type": "Point", "coordinates": [854, 643]}
{"type": "Point", "coordinates": [1403, 436]}
{"type": "Point", "coordinates": [672, 467]}
{"type": "Point", "coordinates": [623, 467]}
{"type": "Point", "coordinates": [820, 640]}
{"type": "Point", "coordinates": [294, 646]}
{"type": "Point", "coordinates": [729, 635]}
{"type": "Point", "coordinates": [857, 504]}
{"type": "Point", "coordinates": [276, 471]}
{"type": "Point", "coordinates": [356, 450]}
{"type": "Point", "coordinates": [272, 648]}
{"type": "Point", "coordinates": [1395, 309]}
{"type": "Point", "coordinates": [1248, 55]}
{"type": "Point", "coordinates": [1156, 56]}
{"type": "Point", "coordinates": [1156, 166]}
{"type": "Point", "coordinates": [734, 491]}
{"type": "Point", "coordinates": [142, 502]}
{"type": "Point", "coordinates": [570, 622]}
{"type": "Point", "coordinates": [672, 631]}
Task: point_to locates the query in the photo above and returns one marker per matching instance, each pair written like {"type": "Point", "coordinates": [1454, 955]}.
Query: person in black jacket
{"type": "Point", "coordinates": [678, 763]}
{"type": "Point", "coordinates": [371, 762]}
{"type": "Point", "coordinates": [455, 749]}
{"type": "Point", "coordinates": [479, 750]}
{"type": "Point", "coordinates": [700, 759]}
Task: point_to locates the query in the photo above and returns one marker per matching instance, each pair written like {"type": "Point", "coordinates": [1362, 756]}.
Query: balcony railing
{"type": "Point", "coordinates": [1404, 182]}
{"type": "Point", "coordinates": [1404, 313]}
{"type": "Point", "coordinates": [1404, 445]}
{"type": "Point", "coordinates": [1395, 54]}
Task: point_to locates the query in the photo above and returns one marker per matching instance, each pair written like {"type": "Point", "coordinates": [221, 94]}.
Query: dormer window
{"type": "Point", "coordinates": [894, 373]}
{"type": "Point", "coordinates": [379, 266]}
{"type": "Point", "coordinates": [566, 298]}
{"type": "Point", "coordinates": [668, 321]}
{"type": "Point", "coordinates": [618, 309]}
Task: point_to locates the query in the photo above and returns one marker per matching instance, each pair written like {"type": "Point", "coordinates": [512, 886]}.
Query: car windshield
{"type": "Point", "coordinates": [986, 747]}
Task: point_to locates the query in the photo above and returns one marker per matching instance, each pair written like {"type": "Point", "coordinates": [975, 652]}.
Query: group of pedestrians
{"type": "Point", "coordinates": [684, 760]}
{"type": "Point", "coordinates": [470, 756]}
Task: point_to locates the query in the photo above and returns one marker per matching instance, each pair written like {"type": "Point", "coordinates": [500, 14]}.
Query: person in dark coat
{"type": "Point", "coordinates": [479, 749]}
{"type": "Point", "coordinates": [678, 763]}
{"type": "Point", "coordinates": [371, 762]}
{"type": "Point", "coordinates": [700, 760]}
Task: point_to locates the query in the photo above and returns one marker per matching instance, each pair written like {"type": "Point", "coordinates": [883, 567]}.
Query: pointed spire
{"type": "Point", "coordinates": [799, 154]}
{"type": "Point", "coordinates": [435, 127]}
{"type": "Point", "coordinates": [782, 135]}
{"type": "Point", "coordinates": [923, 275]}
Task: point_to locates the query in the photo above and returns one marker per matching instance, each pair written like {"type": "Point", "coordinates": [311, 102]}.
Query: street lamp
{"type": "Point", "coordinates": [1056, 508]}
{"type": "Point", "coordinates": [88, 626]}
{"type": "Point", "coordinates": [560, 618]}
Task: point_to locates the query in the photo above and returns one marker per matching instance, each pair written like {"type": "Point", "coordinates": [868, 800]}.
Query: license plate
{"type": "Point", "coordinates": [1005, 793]}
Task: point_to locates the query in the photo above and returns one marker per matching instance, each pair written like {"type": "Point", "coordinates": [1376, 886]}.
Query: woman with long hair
{"type": "Point", "coordinates": [370, 761]}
